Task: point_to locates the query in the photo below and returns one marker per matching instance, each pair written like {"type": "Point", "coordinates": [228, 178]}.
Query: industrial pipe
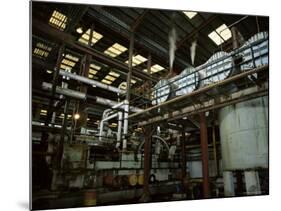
{"type": "Point", "coordinates": [64, 91]}
{"type": "Point", "coordinates": [119, 129]}
{"type": "Point", "coordinates": [102, 122]}
{"type": "Point", "coordinates": [202, 90]}
{"type": "Point", "coordinates": [125, 132]}
{"type": "Point", "coordinates": [82, 96]}
{"type": "Point", "coordinates": [91, 82]}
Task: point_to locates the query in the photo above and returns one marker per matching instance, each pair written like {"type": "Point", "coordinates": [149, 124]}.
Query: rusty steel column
{"type": "Point", "coordinates": [147, 162]}
{"type": "Point", "coordinates": [130, 64]}
{"type": "Point", "coordinates": [183, 160]}
{"type": "Point", "coordinates": [205, 155]}
{"type": "Point", "coordinates": [235, 37]}
{"type": "Point", "coordinates": [62, 135]}
{"type": "Point", "coordinates": [54, 82]}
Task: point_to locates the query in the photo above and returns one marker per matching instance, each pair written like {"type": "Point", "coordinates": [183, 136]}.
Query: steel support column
{"type": "Point", "coordinates": [205, 156]}
{"type": "Point", "coordinates": [147, 162]}
{"type": "Point", "coordinates": [183, 160]}
{"type": "Point", "coordinates": [54, 82]}
{"type": "Point", "coordinates": [62, 135]}
{"type": "Point", "coordinates": [130, 64]}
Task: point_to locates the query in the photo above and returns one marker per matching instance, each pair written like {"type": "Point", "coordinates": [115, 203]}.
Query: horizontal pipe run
{"type": "Point", "coordinates": [91, 82]}
{"type": "Point", "coordinates": [201, 90]}
{"type": "Point", "coordinates": [64, 91]}
{"type": "Point", "coordinates": [82, 96]}
{"type": "Point", "coordinates": [102, 123]}
{"type": "Point", "coordinates": [236, 97]}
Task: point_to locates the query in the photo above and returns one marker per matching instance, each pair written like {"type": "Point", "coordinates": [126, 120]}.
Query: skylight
{"type": "Point", "coordinates": [110, 78]}
{"type": "Point", "coordinates": [220, 35]}
{"type": "Point", "coordinates": [155, 68]}
{"type": "Point", "coordinates": [43, 112]}
{"type": "Point", "coordinates": [114, 74]}
{"type": "Point", "coordinates": [92, 71]}
{"type": "Point", "coordinates": [73, 58]}
{"type": "Point", "coordinates": [58, 20]}
{"type": "Point", "coordinates": [115, 50]}
{"type": "Point", "coordinates": [138, 59]}
{"type": "Point", "coordinates": [106, 81]}
{"type": "Point", "coordinates": [42, 50]}
{"type": "Point", "coordinates": [96, 67]}
{"type": "Point", "coordinates": [189, 14]}
{"type": "Point", "coordinates": [123, 85]}
{"type": "Point", "coordinates": [68, 61]}
{"type": "Point", "coordinates": [86, 36]}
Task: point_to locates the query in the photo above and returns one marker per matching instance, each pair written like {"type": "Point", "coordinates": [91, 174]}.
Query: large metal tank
{"type": "Point", "coordinates": [244, 135]}
{"type": "Point", "coordinates": [217, 68]}
{"type": "Point", "coordinates": [186, 82]}
{"type": "Point", "coordinates": [161, 92]}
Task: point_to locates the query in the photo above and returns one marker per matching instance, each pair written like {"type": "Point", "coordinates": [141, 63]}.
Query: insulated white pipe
{"type": "Point", "coordinates": [91, 82]}
{"type": "Point", "coordinates": [125, 132]}
{"type": "Point", "coordinates": [102, 122]}
{"type": "Point", "coordinates": [119, 130]}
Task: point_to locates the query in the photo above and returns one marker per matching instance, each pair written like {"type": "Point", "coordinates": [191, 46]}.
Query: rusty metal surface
{"type": "Point", "coordinates": [202, 90]}
{"type": "Point", "coordinates": [205, 155]}
{"type": "Point", "coordinates": [236, 97]}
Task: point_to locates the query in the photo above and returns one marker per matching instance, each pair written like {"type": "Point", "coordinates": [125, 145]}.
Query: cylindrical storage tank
{"type": "Point", "coordinates": [108, 180]}
{"type": "Point", "coordinates": [140, 179]}
{"type": "Point", "coordinates": [133, 179]}
{"type": "Point", "coordinates": [187, 81]}
{"type": "Point", "coordinates": [90, 198]}
{"type": "Point", "coordinates": [161, 91]}
{"type": "Point", "coordinates": [112, 181]}
{"type": "Point", "coordinates": [244, 135]}
{"type": "Point", "coordinates": [217, 68]}
{"type": "Point", "coordinates": [117, 181]}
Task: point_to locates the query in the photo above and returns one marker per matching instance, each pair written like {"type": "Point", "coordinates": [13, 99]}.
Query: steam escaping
{"type": "Point", "coordinates": [193, 51]}
{"type": "Point", "coordinates": [172, 49]}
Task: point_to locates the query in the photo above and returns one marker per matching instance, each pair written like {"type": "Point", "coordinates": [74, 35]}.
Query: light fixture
{"type": "Point", "coordinates": [76, 116]}
{"type": "Point", "coordinates": [79, 30]}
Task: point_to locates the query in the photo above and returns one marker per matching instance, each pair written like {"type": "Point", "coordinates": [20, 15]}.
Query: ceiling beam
{"type": "Point", "coordinates": [138, 21]}
{"type": "Point", "coordinates": [70, 40]}
{"type": "Point", "coordinates": [196, 31]}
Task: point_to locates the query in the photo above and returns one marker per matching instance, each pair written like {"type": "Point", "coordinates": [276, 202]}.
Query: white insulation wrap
{"type": "Point", "coordinates": [161, 92]}
{"type": "Point", "coordinates": [217, 68]}
{"type": "Point", "coordinates": [187, 81]}
{"type": "Point", "coordinates": [256, 51]}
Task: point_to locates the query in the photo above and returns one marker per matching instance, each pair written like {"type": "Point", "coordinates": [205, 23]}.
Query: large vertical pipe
{"type": "Point", "coordinates": [228, 183]}
{"type": "Point", "coordinates": [252, 183]}
{"type": "Point", "coordinates": [205, 156]}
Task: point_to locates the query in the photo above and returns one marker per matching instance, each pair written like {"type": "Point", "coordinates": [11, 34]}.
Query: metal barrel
{"type": "Point", "coordinates": [90, 198]}
{"type": "Point", "coordinates": [140, 179]}
{"type": "Point", "coordinates": [133, 180]}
